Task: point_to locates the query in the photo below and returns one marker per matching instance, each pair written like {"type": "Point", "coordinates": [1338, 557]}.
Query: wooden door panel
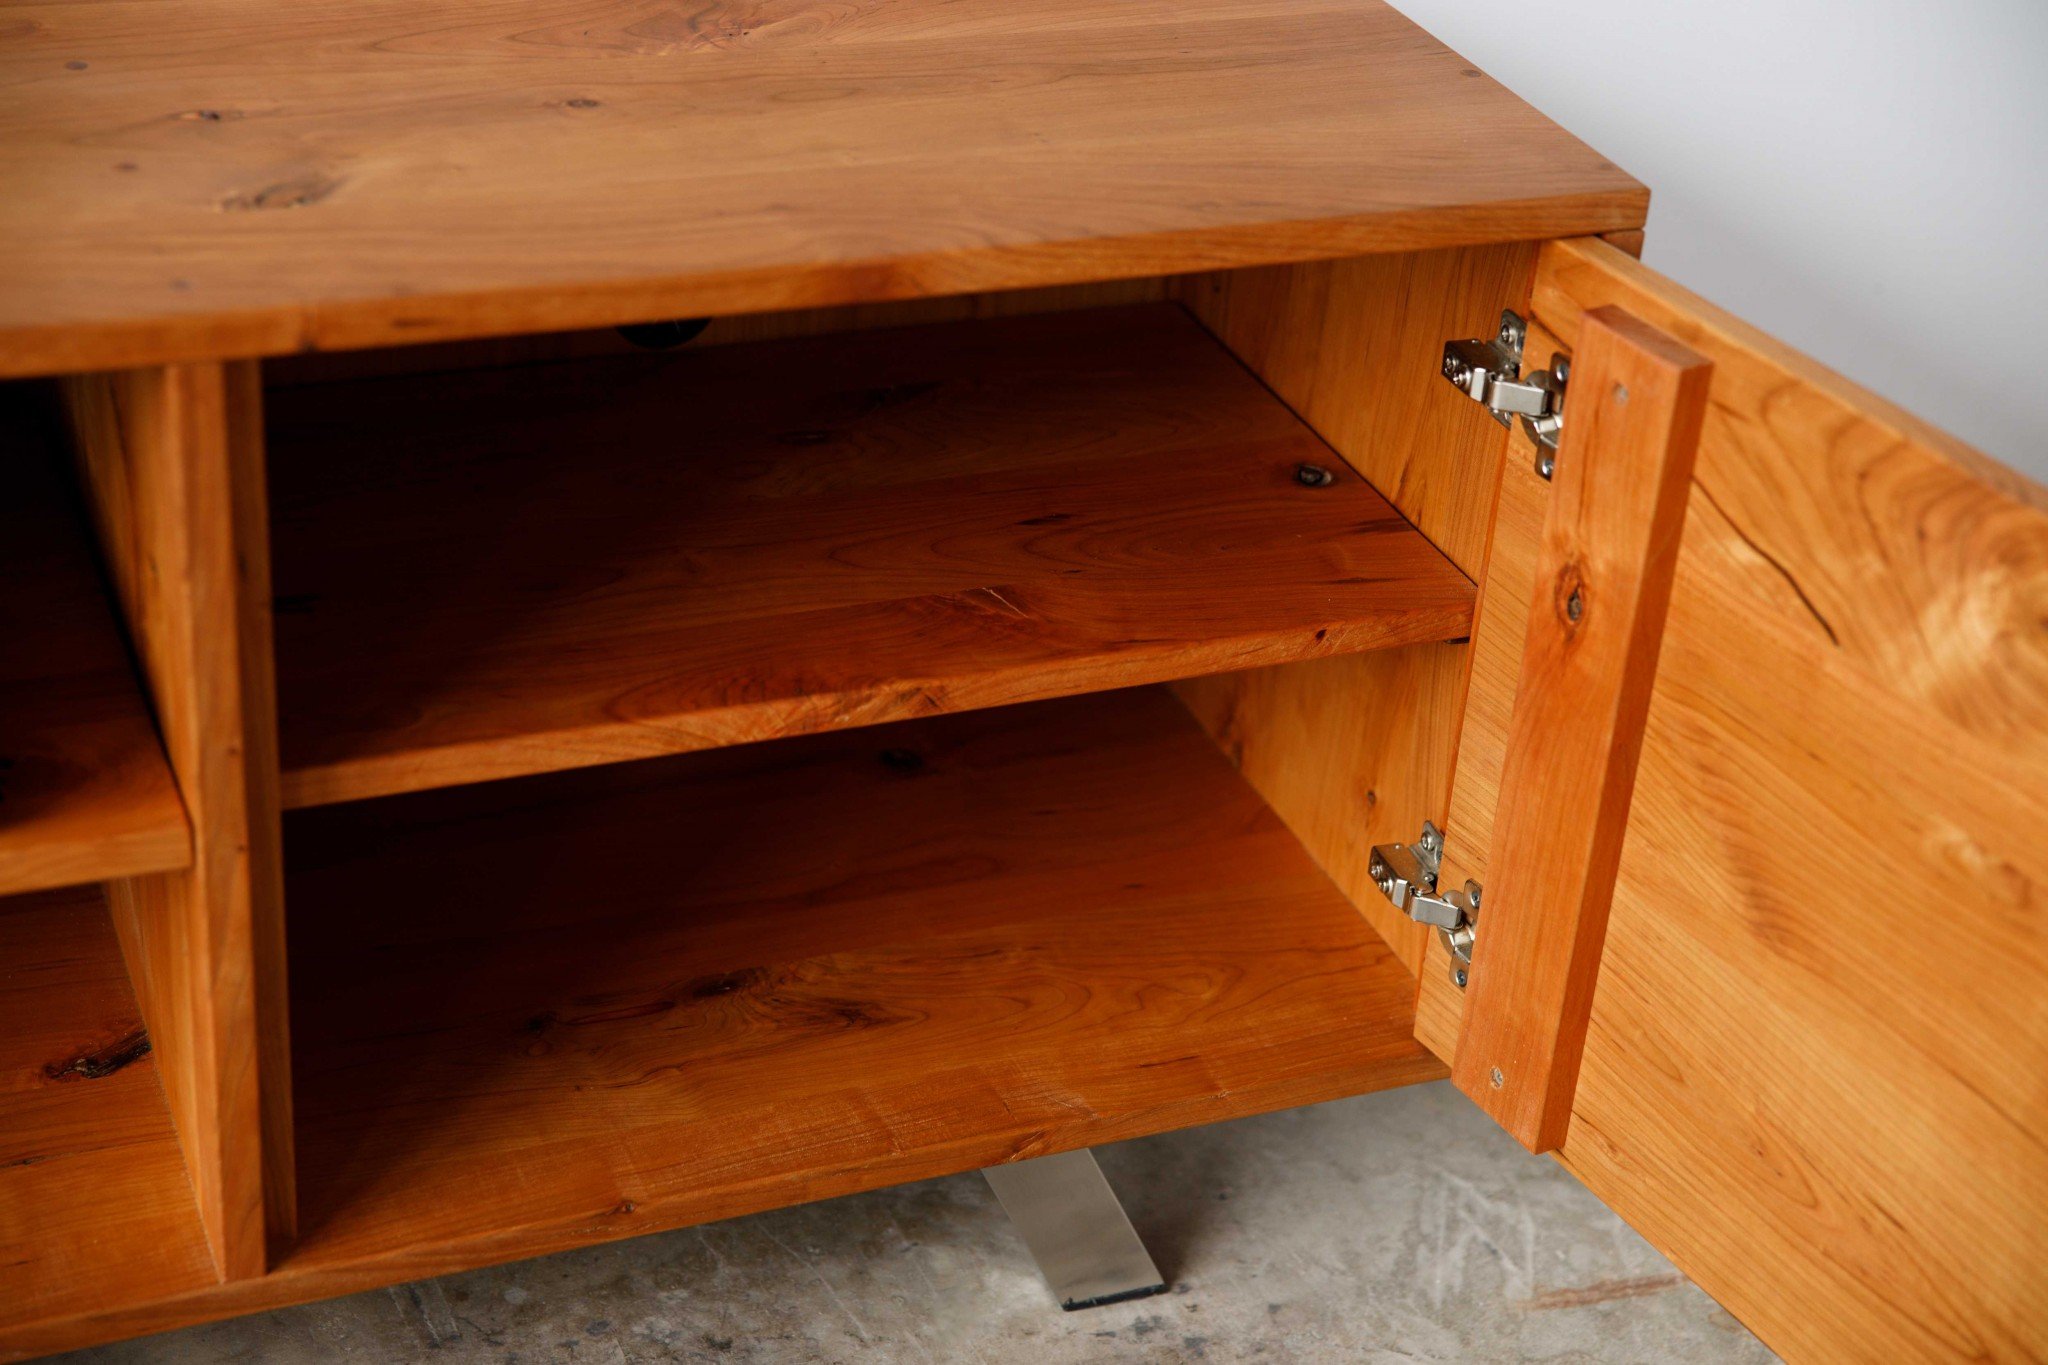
{"type": "Point", "coordinates": [1816, 1068]}
{"type": "Point", "coordinates": [1603, 579]}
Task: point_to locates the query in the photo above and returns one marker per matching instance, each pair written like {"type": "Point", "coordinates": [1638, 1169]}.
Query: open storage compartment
{"type": "Point", "coordinates": [95, 1202]}
{"type": "Point", "coordinates": [493, 572]}
{"type": "Point", "coordinates": [93, 1183]}
{"type": "Point", "coordinates": [726, 777]}
{"type": "Point", "coordinates": [567, 1008]}
{"type": "Point", "coordinates": [86, 792]}
{"type": "Point", "coordinates": [908, 877]}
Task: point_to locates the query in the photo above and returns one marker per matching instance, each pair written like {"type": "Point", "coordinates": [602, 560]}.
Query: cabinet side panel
{"type": "Point", "coordinates": [1500, 626]}
{"type": "Point", "coordinates": [171, 460]}
{"type": "Point", "coordinates": [1354, 752]}
{"type": "Point", "coordinates": [1355, 346]}
{"type": "Point", "coordinates": [1812, 1072]}
{"type": "Point", "coordinates": [1349, 752]}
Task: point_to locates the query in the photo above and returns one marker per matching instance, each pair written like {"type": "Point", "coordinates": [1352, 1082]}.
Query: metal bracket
{"type": "Point", "coordinates": [1075, 1229]}
{"type": "Point", "coordinates": [1406, 874]}
{"type": "Point", "coordinates": [1489, 372]}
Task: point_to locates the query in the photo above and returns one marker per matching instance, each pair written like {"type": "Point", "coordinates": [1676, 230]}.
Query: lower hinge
{"type": "Point", "coordinates": [1406, 875]}
{"type": "Point", "coordinates": [1490, 373]}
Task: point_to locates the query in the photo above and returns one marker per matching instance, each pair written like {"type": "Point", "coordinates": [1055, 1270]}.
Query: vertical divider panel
{"type": "Point", "coordinates": [171, 459]}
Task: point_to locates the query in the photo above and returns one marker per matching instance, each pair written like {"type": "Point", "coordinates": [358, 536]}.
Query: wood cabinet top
{"type": "Point", "coordinates": [199, 178]}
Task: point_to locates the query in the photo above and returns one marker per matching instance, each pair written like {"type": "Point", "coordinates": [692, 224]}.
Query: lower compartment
{"type": "Point", "coordinates": [551, 1011]}
{"type": "Point", "coordinates": [599, 1003]}
{"type": "Point", "coordinates": [95, 1207]}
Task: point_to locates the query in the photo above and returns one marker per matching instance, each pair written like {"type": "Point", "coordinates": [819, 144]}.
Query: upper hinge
{"type": "Point", "coordinates": [1406, 875]}
{"type": "Point", "coordinates": [1490, 372]}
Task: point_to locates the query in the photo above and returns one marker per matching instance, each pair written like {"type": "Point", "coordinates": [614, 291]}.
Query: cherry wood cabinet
{"type": "Point", "coordinates": [621, 616]}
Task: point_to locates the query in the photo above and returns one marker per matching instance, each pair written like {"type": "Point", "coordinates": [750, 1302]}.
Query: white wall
{"type": "Point", "coordinates": [1867, 180]}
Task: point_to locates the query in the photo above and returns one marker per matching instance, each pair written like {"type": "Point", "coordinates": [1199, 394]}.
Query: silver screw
{"type": "Point", "coordinates": [1458, 975]}
{"type": "Point", "coordinates": [1497, 1079]}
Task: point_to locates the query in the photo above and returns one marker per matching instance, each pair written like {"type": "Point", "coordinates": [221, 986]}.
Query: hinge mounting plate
{"type": "Point", "coordinates": [1406, 874]}
{"type": "Point", "coordinates": [1489, 372]}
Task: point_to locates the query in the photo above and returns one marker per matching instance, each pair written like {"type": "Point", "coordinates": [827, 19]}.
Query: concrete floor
{"type": "Point", "coordinates": [1402, 1226]}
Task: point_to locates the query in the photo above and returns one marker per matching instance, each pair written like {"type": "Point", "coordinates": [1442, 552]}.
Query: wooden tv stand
{"type": "Point", "coordinates": [623, 616]}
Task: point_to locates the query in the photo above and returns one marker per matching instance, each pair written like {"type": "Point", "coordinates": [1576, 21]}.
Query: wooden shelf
{"type": "Point", "coordinates": [95, 1209]}
{"type": "Point", "coordinates": [208, 183]}
{"type": "Point", "coordinates": [491, 573]}
{"type": "Point", "coordinates": [535, 1014]}
{"type": "Point", "coordinates": [85, 791]}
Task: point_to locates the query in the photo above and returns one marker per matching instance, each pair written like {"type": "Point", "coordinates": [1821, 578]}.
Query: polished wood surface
{"type": "Point", "coordinates": [515, 571]}
{"type": "Point", "coordinates": [1589, 658]}
{"type": "Point", "coordinates": [85, 790]}
{"type": "Point", "coordinates": [560, 1010]}
{"type": "Point", "coordinates": [1802, 1080]}
{"type": "Point", "coordinates": [172, 461]}
{"type": "Point", "coordinates": [1354, 347]}
{"type": "Point", "coordinates": [95, 1208]}
{"type": "Point", "coordinates": [1346, 751]}
{"type": "Point", "coordinates": [1358, 751]}
{"type": "Point", "coordinates": [217, 178]}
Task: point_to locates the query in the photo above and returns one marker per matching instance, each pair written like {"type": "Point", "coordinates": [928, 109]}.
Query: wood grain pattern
{"type": "Point", "coordinates": [1629, 242]}
{"type": "Point", "coordinates": [94, 1203]}
{"type": "Point", "coordinates": [562, 566]}
{"type": "Point", "coordinates": [173, 464]}
{"type": "Point", "coordinates": [561, 1010]}
{"type": "Point", "coordinates": [1358, 751]}
{"type": "Point", "coordinates": [85, 791]}
{"type": "Point", "coordinates": [216, 180]}
{"type": "Point", "coordinates": [1353, 346]}
{"type": "Point", "coordinates": [1348, 752]}
{"type": "Point", "coordinates": [1589, 658]}
{"type": "Point", "coordinates": [1801, 1082]}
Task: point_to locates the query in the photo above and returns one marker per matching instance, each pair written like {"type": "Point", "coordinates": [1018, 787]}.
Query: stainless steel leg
{"type": "Point", "coordinates": [1077, 1232]}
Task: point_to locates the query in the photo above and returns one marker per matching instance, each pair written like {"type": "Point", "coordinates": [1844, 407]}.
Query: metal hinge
{"type": "Point", "coordinates": [1406, 875]}
{"type": "Point", "coordinates": [1490, 372]}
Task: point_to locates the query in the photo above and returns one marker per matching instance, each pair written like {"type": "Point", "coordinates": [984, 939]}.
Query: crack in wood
{"type": "Point", "coordinates": [129, 1048]}
{"type": "Point", "coordinates": [1767, 557]}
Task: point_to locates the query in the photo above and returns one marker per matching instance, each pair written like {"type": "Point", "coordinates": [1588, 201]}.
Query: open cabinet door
{"type": "Point", "coordinates": [1814, 1067]}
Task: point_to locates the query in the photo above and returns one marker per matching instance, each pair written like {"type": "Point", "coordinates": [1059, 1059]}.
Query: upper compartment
{"type": "Point", "coordinates": [86, 792]}
{"type": "Point", "coordinates": [493, 572]}
{"type": "Point", "coordinates": [207, 188]}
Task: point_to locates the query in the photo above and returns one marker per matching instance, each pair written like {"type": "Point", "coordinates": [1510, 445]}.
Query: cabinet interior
{"type": "Point", "coordinates": [849, 747]}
